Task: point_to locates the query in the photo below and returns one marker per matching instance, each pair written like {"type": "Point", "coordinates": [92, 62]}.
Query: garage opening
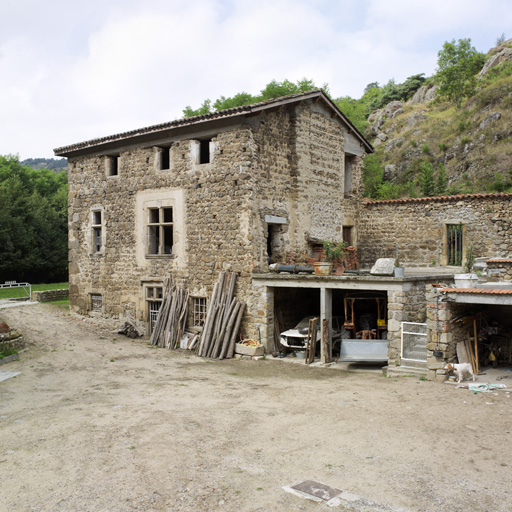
{"type": "Point", "coordinates": [364, 334]}
{"type": "Point", "coordinates": [358, 328]}
{"type": "Point", "coordinates": [483, 335]}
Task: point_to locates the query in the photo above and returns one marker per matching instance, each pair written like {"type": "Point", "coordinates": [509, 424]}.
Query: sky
{"type": "Point", "coordinates": [73, 71]}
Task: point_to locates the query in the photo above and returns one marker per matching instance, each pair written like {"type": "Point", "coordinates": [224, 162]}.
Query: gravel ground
{"type": "Point", "coordinates": [98, 422]}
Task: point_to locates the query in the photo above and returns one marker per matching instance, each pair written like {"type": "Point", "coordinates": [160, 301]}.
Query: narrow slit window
{"type": "Point", "coordinates": [97, 230]}
{"type": "Point", "coordinates": [455, 244]}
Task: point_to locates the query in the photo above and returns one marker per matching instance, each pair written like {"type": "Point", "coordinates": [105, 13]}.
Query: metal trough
{"type": "Point", "coordinates": [364, 350]}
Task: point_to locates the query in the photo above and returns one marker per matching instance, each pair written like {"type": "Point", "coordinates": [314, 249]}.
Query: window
{"type": "Point", "coordinates": [154, 298]}
{"type": "Point", "coordinates": [347, 235]}
{"type": "Point", "coordinates": [112, 165]}
{"type": "Point", "coordinates": [348, 175]}
{"type": "Point", "coordinates": [199, 311]}
{"type": "Point", "coordinates": [163, 158]}
{"type": "Point", "coordinates": [97, 230]}
{"type": "Point", "coordinates": [455, 244]}
{"type": "Point", "coordinates": [160, 230]}
{"type": "Point", "coordinates": [96, 302]}
{"type": "Point", "coordinates": [204, 151]}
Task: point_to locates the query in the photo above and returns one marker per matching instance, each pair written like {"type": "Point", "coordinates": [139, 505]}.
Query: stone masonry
{"type": "Point", "coordinates": [418, 226]}
{"type": "Point", "coordinates": [283, 159]}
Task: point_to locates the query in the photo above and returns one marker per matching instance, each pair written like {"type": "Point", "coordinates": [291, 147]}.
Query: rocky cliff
{"type": "Point", "coordinates": [474, 143]}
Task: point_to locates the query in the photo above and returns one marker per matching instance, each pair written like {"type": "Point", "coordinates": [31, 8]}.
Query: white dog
{"type": "Point", "coordinates": [460, 370]}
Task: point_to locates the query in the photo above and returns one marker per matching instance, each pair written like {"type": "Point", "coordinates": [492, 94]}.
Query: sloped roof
{"type": "Point", "coordinates": [436, 199]}
{"type": "Point", "coordinates": [316, 94]}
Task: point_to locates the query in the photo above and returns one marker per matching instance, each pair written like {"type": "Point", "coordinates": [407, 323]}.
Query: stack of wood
{"type": "Point", "coordinates": [172, 317]}
{"type": "Point", "coordinates": [223, 320]}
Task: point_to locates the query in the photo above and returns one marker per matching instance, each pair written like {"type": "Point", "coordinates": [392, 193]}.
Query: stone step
{"type": "Point", "coordinates": [414, 364]}
{"type": "Point", "coordinates": [404, 371]}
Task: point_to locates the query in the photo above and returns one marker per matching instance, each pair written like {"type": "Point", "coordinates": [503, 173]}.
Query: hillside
{"type": "Point", "coordinates": [473, 144]}
{"type": "Point", "coordinates": [54, 164]}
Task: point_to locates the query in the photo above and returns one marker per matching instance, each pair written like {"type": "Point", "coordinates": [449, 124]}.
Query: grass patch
{"type": "Point", "coordinates": [7, 351]}
{"type": "Point", "coordinates": [13, 293]}
{"type": "Point", "coordinates": [61, 304]}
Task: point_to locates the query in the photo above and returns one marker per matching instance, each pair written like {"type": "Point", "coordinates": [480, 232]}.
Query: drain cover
{"type": "Point", "coordinates": [318, 490]}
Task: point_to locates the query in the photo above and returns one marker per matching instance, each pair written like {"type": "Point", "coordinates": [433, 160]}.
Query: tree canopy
{"type": "Point", "coordinates": [457, 66]}
{"type": "Point", "coordinates": [33, 223]}
{"type": "Point", "coordinates": [273, 89]}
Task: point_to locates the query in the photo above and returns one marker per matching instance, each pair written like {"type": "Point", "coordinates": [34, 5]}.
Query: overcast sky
{"type": "Point", "coordinates": [72, 71]}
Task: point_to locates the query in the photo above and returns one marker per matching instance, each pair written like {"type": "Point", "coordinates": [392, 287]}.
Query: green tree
{"type": "Point", "coordinates": [373, 175]}
{"type": "Point", "coordinates": [33, 223]}
{"type": "Point", "coordinates": [273, 89]}
{"type": "Point", "coordinates": [427, 185]}
{"type": "Point", "coordinates": [441, 181]}
{"type": "Point", "coordinates": [457, 66]}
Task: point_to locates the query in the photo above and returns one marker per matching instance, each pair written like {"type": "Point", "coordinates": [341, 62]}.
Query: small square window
{"type": "Point", "coordinates": [199, 311]}
{"type": "Point", "coordinates": [96, 302]}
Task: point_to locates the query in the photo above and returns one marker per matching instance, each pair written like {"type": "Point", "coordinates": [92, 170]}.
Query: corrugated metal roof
{"type": "Point", "coordinates": [231, 112]}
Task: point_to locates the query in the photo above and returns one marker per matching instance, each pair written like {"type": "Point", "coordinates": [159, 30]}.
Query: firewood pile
{"type": "Point", "coordinates": [172, 317]}
{"type": "Point", "coordinates": [223, 320]}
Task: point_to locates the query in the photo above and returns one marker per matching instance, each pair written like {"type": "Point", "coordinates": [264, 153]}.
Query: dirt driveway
{"type": "Point", "coordinates": [98, 422]}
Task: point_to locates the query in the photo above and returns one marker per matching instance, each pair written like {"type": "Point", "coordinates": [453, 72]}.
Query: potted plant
{"type": "Point", "coordinates": [468, 279]}
{"type": "Point", "coordinates": [333, 251]}
{"type": "Point", "coordinates": [399, 270]}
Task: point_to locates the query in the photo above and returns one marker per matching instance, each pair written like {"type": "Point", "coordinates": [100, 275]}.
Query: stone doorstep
{"type": "Point", "coordinates": [406, 371]}
{"type": "Point", "coordinates": [8, 359]}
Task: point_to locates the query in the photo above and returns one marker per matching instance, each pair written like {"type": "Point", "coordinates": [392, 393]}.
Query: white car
{"type": "Point", "coordinates": [296, 337]}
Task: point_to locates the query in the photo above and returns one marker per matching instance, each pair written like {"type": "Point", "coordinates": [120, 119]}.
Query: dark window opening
{"type": "Point", "coordinates": [347, 235]}
{"type": "Point", "coordinates": [166, 158]}
{"type": "Point", "coordinates": [113, 165]}
{"type": "Point", "coordinates": [204, 151]}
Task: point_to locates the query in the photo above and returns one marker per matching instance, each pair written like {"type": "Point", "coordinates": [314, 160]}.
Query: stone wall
{"type": "Point", "coordinates": [50, 295]}
{"type": "Point", "coordinates": [419, 225]}
{"type": "Point", "coordinates": [406, 305]}
{"type": "Point", "coordinates": [499, 269]}
{"type": "Point", "coordinates": [286, 163]}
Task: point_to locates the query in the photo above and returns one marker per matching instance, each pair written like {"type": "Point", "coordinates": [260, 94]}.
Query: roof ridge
{"type": "Point", "coordinates": [186, 121]}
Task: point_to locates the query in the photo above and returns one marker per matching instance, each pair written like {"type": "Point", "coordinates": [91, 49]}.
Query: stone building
{"type": "Point", "coordinates": [232, 190]}
{"type": "Point", "coordinates": [240, 189]}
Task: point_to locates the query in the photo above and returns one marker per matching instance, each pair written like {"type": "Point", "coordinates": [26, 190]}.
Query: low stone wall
{"type": "Point", "coordinates": [499, 268]}
{"type": "Point", "coordinates": [418, 226]}
{"type": "Point", "coordinates": [50, 295]}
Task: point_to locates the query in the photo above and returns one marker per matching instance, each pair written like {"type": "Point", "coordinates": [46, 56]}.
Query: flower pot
{"type": "Point", "coordinates": [323, 268]}
{"type": "Point", "coordinates": [399, 271]}
{"type": "Point", "coordinates": [465, 280]}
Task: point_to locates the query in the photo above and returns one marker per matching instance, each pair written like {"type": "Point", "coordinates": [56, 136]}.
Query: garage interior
{"type": "Point", "coordinates": [481, 323]}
